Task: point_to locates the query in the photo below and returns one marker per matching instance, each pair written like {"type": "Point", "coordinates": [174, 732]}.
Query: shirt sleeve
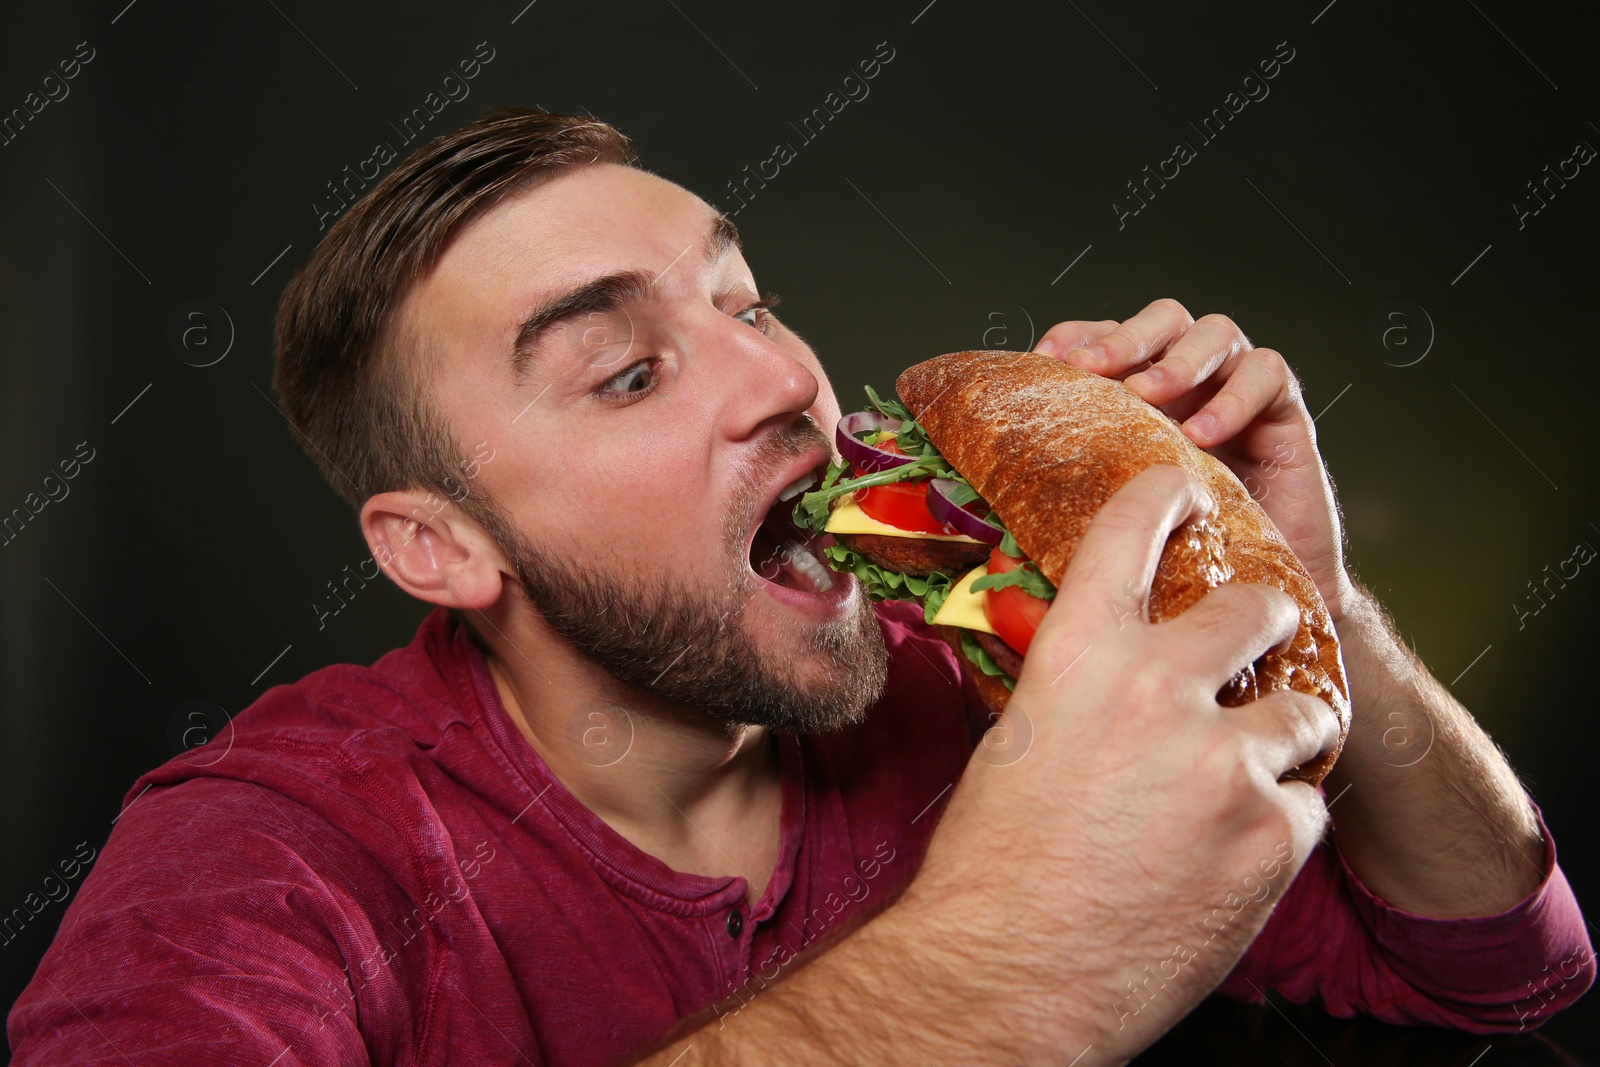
{"type": "Point", "coordinates": [199, 934]}
{"type": "Point", "coordinates": [1332, 937]}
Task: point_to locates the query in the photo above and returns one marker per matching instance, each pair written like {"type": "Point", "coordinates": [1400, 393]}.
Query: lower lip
{"type": "Point", "coordinates": [828, 604]}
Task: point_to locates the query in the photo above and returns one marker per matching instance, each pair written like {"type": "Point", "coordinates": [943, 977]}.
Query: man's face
{"type": "Point", "coordinates": [646, 416]}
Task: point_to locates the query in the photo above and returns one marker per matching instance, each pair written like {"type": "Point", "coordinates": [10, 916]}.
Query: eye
{"type": "Point", "coordinates": [631, 384]}
{"type": "Point", "coordinates": [758, 315]}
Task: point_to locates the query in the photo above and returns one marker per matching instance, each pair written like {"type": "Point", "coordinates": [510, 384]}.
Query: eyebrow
{"type": "Point", "coordinates": [722, 236]}
{"type": "Point", "coordinates": [605, 294]}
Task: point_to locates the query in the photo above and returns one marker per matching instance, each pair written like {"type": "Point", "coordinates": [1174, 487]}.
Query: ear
{"type": "Point", "coordinates": [433, 551]}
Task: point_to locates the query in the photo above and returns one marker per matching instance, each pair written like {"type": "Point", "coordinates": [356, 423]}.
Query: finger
{"type": "Point", "coordinates": [1063, 337]}
{"type": "Point", "coordinates": [1259, 388]}
{"type": "Point", "coordinates": [1286, 729]}
{"type": "Point", "coordinates": [1230, 628]}
{"type": "Point", "coordinates": [1180, 409]}
{"type": "Point", "coordinates": [1205, 349]}
{"type": "Point", "coordinates": [1308, 815]}
{"type": "Point", "coordinates": [1116, 560]}
{"type": "Point", "coordinates": [1142, 337]}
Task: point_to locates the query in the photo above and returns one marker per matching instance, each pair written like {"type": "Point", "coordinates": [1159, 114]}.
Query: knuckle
{"type": "Point", "coordinates": [1157, 685]}
{"type": "Point", "coordinates": [1316, 720]}
{"type": "Point", "coordinates": [1218, 323]}
{"type": "Point", "coordinates": [1269, 604]}
{"type": "Point", "coordinates": [1117, 338]}
{"type": "Point", "coordinates": [1229, 407]}
{"type": "Point", "coordinates": [1168, 306]}
{"type": "Point", "coordinates": [1238, 598]}
{"type": "Point", "coordinates": [1246, 609]}
{"type": "Point", "coordinates": [1272, 358]}
{"type": "Point", "coordinates": [1121, 514]}
{"type": "Point", "coordinates": [1165, 478]}
{"type": "Point", "coordinates": [1271, 361]}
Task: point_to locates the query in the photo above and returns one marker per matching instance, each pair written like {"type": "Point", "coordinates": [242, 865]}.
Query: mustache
{"type": "Point", "coordinates": [775, 451]}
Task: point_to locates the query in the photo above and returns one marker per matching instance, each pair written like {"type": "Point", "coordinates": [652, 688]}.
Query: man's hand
{"type": "Point", "coordinates": [1240, 403]}
{"type": "Point", "coordinates": [1092, 891]}
{"type": "Point", "coordinates": [1129, 858]}
{"type": "Point", "coordinates": [1441, 828]}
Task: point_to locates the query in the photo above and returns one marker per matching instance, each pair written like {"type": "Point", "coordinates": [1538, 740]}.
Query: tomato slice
{"type": "Point", "coordinates": [1014, 614]}
{"type": "Point", "coordinates": [903, 505]}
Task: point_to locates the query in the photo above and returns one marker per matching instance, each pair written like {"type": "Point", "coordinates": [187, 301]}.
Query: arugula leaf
{"type": "Point", "coordinates": [1009, 546]}
{"type": "Point", "coordinates": [812, 510]}
{"type": "Point", "coordinates": [892, 409]}
{"type": "Point", "coordinates": [1028, 577]}
{"type": "Point", "coordinates": [983, 661]}
{"type": "Point", "coordinates": [963, 494]}
{"type": "Point", "coordinates": [912, 439]}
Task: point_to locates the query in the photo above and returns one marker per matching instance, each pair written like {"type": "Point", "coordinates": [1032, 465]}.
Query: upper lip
{"type": "Point", "coordinates": [813, 462]}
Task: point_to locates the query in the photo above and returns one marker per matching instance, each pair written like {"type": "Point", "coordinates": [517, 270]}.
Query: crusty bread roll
{"type": "Point", "coordinates": [1047, 444]}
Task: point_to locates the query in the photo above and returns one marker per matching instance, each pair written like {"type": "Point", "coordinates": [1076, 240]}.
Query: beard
{"type": "Point", "coordinates": [689, 644]}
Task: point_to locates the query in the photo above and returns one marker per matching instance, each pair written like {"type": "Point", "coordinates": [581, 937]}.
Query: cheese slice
{"type": "Point", "coordinates": [963, 607]}
{"type": "Point", "coordinates": [848, 518]}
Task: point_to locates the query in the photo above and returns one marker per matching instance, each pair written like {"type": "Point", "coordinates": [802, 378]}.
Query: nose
{"type": "Point", "coordinates": [762, 383]}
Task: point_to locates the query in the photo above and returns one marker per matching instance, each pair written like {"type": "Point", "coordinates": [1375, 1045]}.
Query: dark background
{"type": "Point", "coordinates": [930, 216]}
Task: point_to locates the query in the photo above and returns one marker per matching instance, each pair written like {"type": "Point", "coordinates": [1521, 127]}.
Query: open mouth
{"type": "Point", "coordinates": [783, 553]}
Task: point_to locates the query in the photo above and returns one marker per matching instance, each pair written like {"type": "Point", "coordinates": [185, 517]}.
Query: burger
{"type": "Point", "coordinates": [970, 492]}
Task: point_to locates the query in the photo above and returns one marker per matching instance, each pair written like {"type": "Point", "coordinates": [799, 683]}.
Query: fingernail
{"type": "Point", "coordinates": [1144, 380]}
{"type": "Point", "coordinates": [1203, 426]}
{"type": "Point", "coordinates": [1088, 355]}
{"type": "Point", "coordinates": [1047, 347]}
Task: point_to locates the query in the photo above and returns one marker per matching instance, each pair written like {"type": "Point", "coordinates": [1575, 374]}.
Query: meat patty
{"type": "Point", "coordinates": [1005, 657]}
{"type": "Point", "coordinates": [916, 555]}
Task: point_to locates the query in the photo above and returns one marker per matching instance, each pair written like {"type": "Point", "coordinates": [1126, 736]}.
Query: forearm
{"type": "Point", "coordinates": [1427, 811]}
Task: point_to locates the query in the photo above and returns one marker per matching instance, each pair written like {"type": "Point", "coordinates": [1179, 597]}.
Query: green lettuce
{"type": "Point", "coordinates": [881, 583]}
{"type": "Point", "coordinates": [983, 661]}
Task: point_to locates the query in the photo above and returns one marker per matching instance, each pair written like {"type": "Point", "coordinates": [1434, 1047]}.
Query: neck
{"type": "Point", "coordinates": [673, 780]}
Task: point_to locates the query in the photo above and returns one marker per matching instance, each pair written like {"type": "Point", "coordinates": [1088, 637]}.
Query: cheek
{"type": "Point", "coordinates": [652, 505]}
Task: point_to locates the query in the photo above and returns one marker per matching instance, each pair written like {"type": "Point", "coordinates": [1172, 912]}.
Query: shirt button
{"type": "Point", "coordinates": [735, 923]}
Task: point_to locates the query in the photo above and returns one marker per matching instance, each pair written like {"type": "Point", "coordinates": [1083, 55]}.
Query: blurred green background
{"type": "Point", "coordinates": [939, 212]}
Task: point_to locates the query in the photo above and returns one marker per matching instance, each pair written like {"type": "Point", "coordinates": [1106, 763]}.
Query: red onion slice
{"type": "Point", "coordinates": [956, 517]}
{"type": "Point", "coordinates": [858, 453]}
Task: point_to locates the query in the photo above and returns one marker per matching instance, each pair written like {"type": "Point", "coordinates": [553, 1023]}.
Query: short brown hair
{"type": "Point", "coordinates": [356, 398]}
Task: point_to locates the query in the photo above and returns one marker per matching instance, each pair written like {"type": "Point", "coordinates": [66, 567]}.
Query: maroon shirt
{"type": "Point", "coordinates": [377, 867]}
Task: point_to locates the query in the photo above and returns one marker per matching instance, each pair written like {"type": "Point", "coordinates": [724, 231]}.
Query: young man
{"type": "Point", "coordinates": [622, 783]}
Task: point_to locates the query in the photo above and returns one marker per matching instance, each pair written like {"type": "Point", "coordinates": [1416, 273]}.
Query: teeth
{"type": "Point", "coordinates": [796, 487]}
{"type": "Point", "coordinates": [808, 566]}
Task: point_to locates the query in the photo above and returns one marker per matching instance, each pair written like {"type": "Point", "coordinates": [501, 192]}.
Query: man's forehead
{"type": "Point", "coordinates": [579, 222]}
{"type": "Point", "coordinates": [582, 223]}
